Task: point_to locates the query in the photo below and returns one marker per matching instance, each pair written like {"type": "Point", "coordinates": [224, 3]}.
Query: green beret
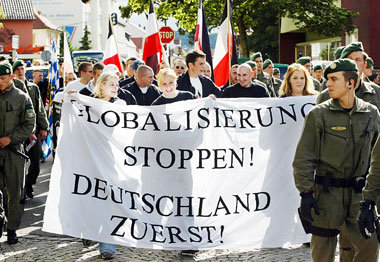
{"type": "Point", "coordinates": [17, 64]}
{"type": "Point", "coordinates": [369, 62]}
{"type": "Point", "coordinates": [266, 63]}
{"type": "Point", "coordinates": [353, 47]}
{"type": "Point", "coordinates": [256, 55]}
{"type": "Point", "coordinates": [5, 68]}
{"type": "Point", "coordinates": [317, 67]}
{"type": "Point", "coordinates": [304, 60]}
{"type": "Point", "coordinates": [251, 63]}
{"type": "Point", "coordinates": [276, 71]}
{"type": "Point", "coordinates": [341, 65]}
{"type": "Point", "coordinates": [338, 52]}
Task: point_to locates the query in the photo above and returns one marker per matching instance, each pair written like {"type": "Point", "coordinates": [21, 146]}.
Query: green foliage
{"type": "Point", "coordinates": [315, 16]}
{"type": "Point", "coordinates": [61, 49]}
{"type": "Point", "coordinates": [85, 40]}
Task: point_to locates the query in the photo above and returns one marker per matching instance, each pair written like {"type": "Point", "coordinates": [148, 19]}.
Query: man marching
{"type": "Point", "coordinates": [331, 163]}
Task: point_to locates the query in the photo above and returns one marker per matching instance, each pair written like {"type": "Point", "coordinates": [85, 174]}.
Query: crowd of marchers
{"type": "Point", "coordinates": [338, 179]}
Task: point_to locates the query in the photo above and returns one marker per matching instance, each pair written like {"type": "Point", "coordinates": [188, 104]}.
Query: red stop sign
{"type": "Point", "coordinates": [166, 34]}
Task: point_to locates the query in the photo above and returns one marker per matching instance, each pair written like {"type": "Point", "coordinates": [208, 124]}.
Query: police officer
{"type": "Point", "coordinates": [261, 75]}
{"type": "Point", "coordinates": [306, 62]}
{"type": "Point", "coordinates": [368, 93]}
{"type": "Point", "coordinates": [17, 120]}
{"type": "Point", "coordinates": [40, 132]}
{"type": "Point", "coordinates": [331, 163]}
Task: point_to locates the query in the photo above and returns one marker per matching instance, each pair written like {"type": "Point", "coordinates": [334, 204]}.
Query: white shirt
{"type": "Point", "coordinates": [196, 83]}
{"type": "Point", "coordinates": [75, 85]}
{"type": "Point", "coordinates": [144, 89]}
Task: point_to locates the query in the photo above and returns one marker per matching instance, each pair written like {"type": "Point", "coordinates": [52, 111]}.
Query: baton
{"type": "Point", "coordinates": [20, 154]}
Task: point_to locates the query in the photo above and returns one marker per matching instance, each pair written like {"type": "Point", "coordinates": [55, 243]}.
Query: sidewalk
{"type": "Point", "coordinates": [35, 245]}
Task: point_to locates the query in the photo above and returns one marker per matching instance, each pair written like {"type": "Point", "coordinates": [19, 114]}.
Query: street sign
{"type": "Point", "coordinates": [45, 55]}
{"type": "Point", "coordinates": [15, 42]}
{"type": "Point", "coordinates": [166, 34]}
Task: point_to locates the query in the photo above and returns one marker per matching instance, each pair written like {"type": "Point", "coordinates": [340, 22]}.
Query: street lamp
{"type": "Point", "coordinates": [249, 31]}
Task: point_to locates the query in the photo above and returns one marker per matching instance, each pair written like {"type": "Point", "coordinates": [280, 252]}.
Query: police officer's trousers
{"type": "Point", "coordinates": [12, 182]}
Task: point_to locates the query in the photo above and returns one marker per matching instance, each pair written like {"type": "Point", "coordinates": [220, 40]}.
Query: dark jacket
{"type": "Point", "coordinates": [208, 86]}
{"type": "Point", "coordinates": [237, 90]}
{"type": "Point", "coordinates": [143, 99]}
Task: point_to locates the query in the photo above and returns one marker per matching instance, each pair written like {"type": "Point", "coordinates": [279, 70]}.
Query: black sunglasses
{"type": "Point", "coordinates": [178, 67]}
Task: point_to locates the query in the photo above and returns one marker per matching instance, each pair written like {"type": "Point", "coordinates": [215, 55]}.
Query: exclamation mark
{"type": "Point", "coordinates": [251, 164]}
{"type": "Point", "coordinates": [221, 233]}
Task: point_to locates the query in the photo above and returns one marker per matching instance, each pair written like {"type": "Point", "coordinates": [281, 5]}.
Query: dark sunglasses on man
{"type": "Point", "coordinates": [178, 67]}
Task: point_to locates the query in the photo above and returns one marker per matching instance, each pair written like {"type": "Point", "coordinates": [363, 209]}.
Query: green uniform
{"type": "Point", "coordinates": [17, 120]}
{"type": "Point", "coordinates": [41, 124]}
{"type": "Point", "coordinates": [265, 78]}
{"type": "Point", "coordinates": [317, 85]}
{"type": "Point", "coordinates": [371, 94]}
{"type": "Point", "coordinates": [276, 84]}
{"type": "Point", "coordinates": [371, 191]}
{"type": "Point", "coordinates": [336, 142]}
{"type": "Point", "coordinates": [20, 85]}
{"type": "Point", "coordinates": [34, 93]}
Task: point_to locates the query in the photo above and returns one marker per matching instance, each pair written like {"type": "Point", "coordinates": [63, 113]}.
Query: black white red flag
{"type": "Point", "coordinates": [225, 50]}
{"type": "Point", "coordinates": [152, 52]}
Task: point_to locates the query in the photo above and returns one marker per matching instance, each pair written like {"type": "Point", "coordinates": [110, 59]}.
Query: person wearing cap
{"type": "Point", "coordinates": [369, 92]}
{"type": "Point", "coordinates": [40, 131]}
{"type": "Point", "coordinates": [233, 79]}
{"type": "Point", "coordinates": [306, 62]}
{"type": "Point", "coordinates": [86, 74]}
{"type": "Point", "coordinates": [193, 81]}
{"type": "Point", "coordinates": [368, 71]}
{"type": "Point", "coordinates": [318, 73]}
{"type": "Point", "coordinates": [268, 68]}
{"type": "Point", "coordinates": [17, 121]}
{"type": "Point", "coordinates": [245, 87]}
{"type": "Point", "coordinates": [277, 73]}
{"type": "Point", "coordinates": [338, 52]}
{"type": "Point", "coordinates": [331, 163]}
{"type": "Point", "coordinates": [261, 75]}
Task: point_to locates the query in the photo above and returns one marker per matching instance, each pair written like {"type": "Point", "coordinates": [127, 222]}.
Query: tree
{"type": "Point", "coordinates": [85, 40]}
{"type": "Point", "coordinates": [261, 16]}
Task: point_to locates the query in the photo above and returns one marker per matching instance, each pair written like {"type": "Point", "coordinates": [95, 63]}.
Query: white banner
{"type": "Point", "coordinates": [196, 174]}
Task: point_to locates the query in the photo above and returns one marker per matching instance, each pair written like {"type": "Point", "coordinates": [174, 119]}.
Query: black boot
{"type": "Point", "coordinates": [12, 237]}
{"type": "Point", "coordinates": [29, 192]}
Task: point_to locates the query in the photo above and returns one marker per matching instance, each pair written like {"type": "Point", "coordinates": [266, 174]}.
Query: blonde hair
{"type": "Point", "coordinates": [165, 72]}
{"type": "Point", "coordinates": [102, 80]}
{"type": "Point", "coordinates": [286, 88]}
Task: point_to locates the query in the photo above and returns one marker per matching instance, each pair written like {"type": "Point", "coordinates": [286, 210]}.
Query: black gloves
{"type": "Point", "coordinates": [308, 202]}
{"type": "Point", "coordinates": [366, 218]}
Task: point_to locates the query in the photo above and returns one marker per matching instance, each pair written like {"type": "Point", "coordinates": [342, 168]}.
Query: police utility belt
{"type": "Point", "coordinates": [326, 181]}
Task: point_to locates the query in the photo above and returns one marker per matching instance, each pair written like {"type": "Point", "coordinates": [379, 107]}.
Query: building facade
{"type": "Point", "coordinates": [295, 42]}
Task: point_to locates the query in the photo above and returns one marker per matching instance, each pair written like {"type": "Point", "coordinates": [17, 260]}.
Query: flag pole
{"type": "Point", "coordinates": [164, 57]}
{"type": "Point", "coordinates": [117, 47]}
{"type": "Point", "coordinates": [228, 39]}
